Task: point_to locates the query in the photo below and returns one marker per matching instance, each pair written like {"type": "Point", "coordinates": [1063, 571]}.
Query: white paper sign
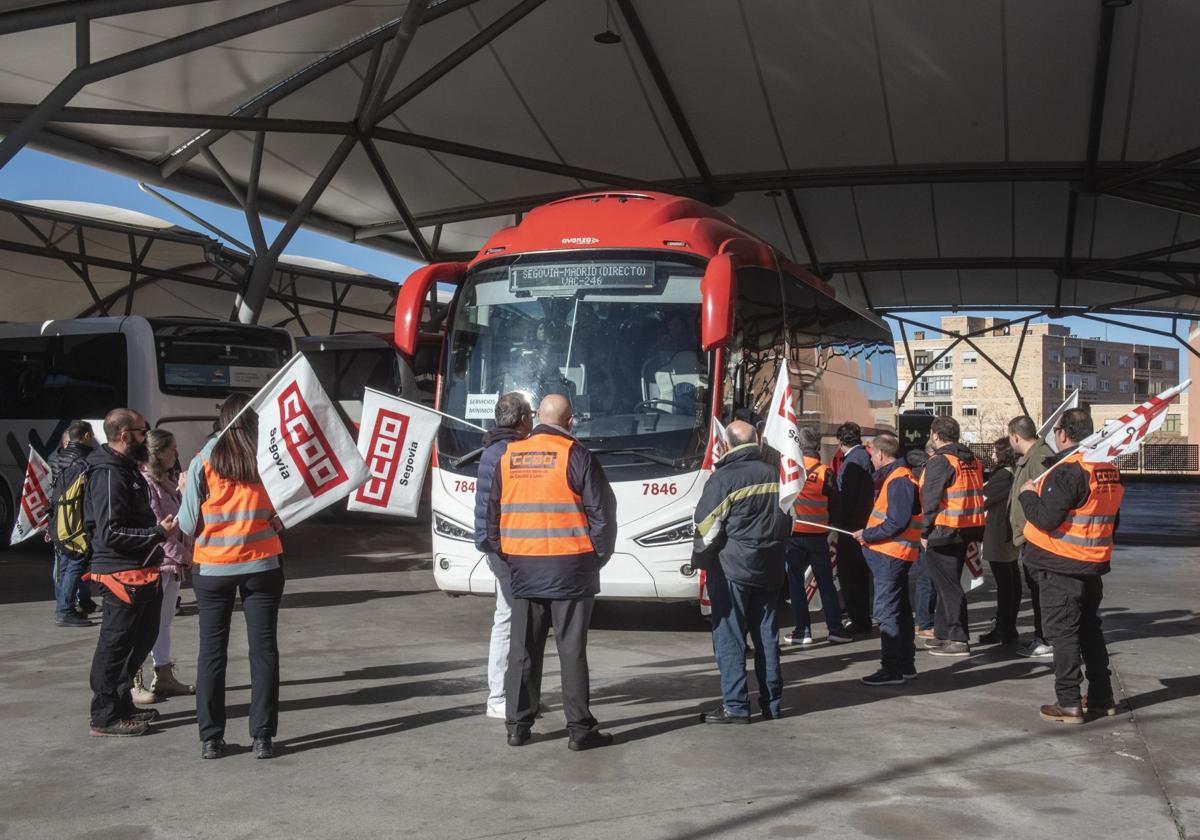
{"type": "Point", "coordinates": [306, 458]}
{"type": "Point", "coordinates": [481, 406]}
{"type": "Point", "coordinates": [34, 510]}
{"type": "Point", "coordinates": [395, 438]}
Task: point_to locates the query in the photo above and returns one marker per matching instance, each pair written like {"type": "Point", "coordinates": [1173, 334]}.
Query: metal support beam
{"type": "Point", "coordinates": [396, 198]}
{"type": "Point", "coordinates": [1157, 198]}
{"type": "Point", "coordinates": [59, 14]}
{"type": "Point", "coordinates": [396, 51]}
{"type": "Point", "coordinates": [484, 37]}
{"type": "Point", "coordinates": [928, 367]}
{"type": "Point", "coordinates": [83, 41]}
{"type": "Point", "coordinates": [668, 96]}
{"type": "Point", "coordinates": [1151, 171]}
{"type": "Point", "coordinates": [209, 226]}
{"type": "Point", "coordinates": [208, 36]}
{"type": "Point", "coordinates": [1143, 328]}
{"type": "Point", "coordinates": [1144, 255]}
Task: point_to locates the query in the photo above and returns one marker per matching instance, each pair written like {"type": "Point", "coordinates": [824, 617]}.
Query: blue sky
{"type": "Point", "coordinates": [34, 175]}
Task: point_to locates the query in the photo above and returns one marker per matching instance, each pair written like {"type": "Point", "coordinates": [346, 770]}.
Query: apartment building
{"type": "Point", "coordinates": [961, 382]}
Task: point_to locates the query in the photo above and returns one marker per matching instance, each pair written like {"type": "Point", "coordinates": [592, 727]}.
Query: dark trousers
{"type": "Point", "coordinates": [215, 595]}
{"type": "Point", "coordinates": [856, 582]}
{"type": "Point", "coordinates": [531, 622]}
{"type": "Point", "coordinates": [945, 565]}
{"type": "Point", "coordinates": [1008, 598]}
{"type": "Point", "coordinates": [924, 595]}
{"type": "Point", "coordinates": [736, 611]}
{"type": "Point", "coordinates": [127, 632]}
{"type": "Point", "coordinates": [1071, 612]}
{"type": "Point", "coordinates": [812, 550]}
{"type": "Point", "coordinates": [893, 612]}
{"type": "Point", "coordinates": [1031, 582]}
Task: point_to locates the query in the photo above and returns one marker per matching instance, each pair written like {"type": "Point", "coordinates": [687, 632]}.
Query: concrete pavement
{"type": "Point", "coordinates": [383, 734]}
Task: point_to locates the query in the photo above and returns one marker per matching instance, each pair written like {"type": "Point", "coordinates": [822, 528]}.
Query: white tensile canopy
{"type": "Point", "coordinates": [932, 154]}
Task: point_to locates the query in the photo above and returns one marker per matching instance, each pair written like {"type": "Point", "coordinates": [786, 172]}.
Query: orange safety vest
{"type": "Point", "coordinates": [907, 544]}
{"type": "Point", "coordinates": [540, 515]}
{"type": "Point", "coordinates": [961, 505]}
{"type": "Point", "coordinates": [1087, 532]}
{"type": "Point", "coordinates": [812, 505]}
{"type": "Point", "coordinates": [237, 522]}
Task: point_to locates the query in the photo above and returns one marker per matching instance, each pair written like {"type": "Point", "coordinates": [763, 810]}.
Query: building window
{"type": "Point", "coordinates": [1055, 356]}
{"type": "Point", "coordinates": [900, 360]}
{"type": "Point", "coordinates": [1123, 362]}
{"type": "Point", "coordinates": [1105, 386]}
{"type": "Point", "coordinates": [1141, 361]}
{"type": "Point", "coordinates": [1071, 354]}
{"type": "Point", "coordinates": [1087, 383]}
{"type": "Point", "coordinates": [944, 363]}
{"type": "Point", "coordinates": [1105, 360]}
{"type": "Point", "coordinates": [970, 357]}
{"type": "Point", "coordinates": [934, 385]}
{"type": "Point", "coordinates": [940, 409]}
{"type": "Point", "coordinates": [1052, 383]}
{"type": "Point", "coordinates": [1171, 425]}
{"type": "Point", "coordinates": [1124, 387]}
{"type": "Point", "coordinates": [1074, 380]}
{"type": "Point", "coordinates": [920, 360]}
{"type": "Point", "coordinates": [1087, 356]}
{"type": "Point", "coordinates": [969, 383]}
{"type": "Point", "coordinates": [970, 411]}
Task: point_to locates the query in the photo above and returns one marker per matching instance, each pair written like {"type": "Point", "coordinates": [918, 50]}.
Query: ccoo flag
{"type": "Point", "coordinates": [306, 458]}
{"type": "Point", "coordinates": [395, 438]}
{"type": "Point", "coordinates": [34, 511]}
{"type": "Point", "coordinates": [781, 433]}
{"type": "Point", "coordinates": [718, 445]}
{"type": "Point", "coordinates": [1127, 434]}
{"type": "Point", "coordinates": [1046, 433]}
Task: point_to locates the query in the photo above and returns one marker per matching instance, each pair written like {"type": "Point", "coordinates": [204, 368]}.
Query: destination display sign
{"type": "Point", "coordinates": [590, 275]}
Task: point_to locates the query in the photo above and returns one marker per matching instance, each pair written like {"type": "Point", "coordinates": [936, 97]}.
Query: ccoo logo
{"type": "Point", "coordinates": [387, 445]}
{"type": "Point", "coordinates": [307, 444]}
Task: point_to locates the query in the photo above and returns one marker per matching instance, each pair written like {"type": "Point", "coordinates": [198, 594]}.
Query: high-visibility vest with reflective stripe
{"type": "Point", "coordinates": [961, 505]}
{"type": "Point", "coordinates": [540, 515]}
{"type": "Point", "coordinates": [907, 544]}
{"type": "Point", "coordinates": [237, 522]}
{"type": "Point", "coordinates": [812, 505]}
{"type": "Point", "coordinates": [1087, 532]}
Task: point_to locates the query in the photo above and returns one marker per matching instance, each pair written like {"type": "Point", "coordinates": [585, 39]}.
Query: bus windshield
{"type": "Point", "coordinates": [616, 332]}
{"type": "Point", "coordinates": [203, 359]}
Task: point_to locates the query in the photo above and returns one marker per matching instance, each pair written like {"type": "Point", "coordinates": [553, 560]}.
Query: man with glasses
{"type": "Point", "coordinates": [125, 537]}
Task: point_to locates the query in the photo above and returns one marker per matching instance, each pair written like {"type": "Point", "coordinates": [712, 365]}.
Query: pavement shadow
{"type": "Point", "coordinates": [343, 597]}
{"type": "Point", "coordinates": [1173, 688]}
{"type": "Point", "coordinates": [1122, 624]}
{"type": "Point", "coordinates": [384, 672]}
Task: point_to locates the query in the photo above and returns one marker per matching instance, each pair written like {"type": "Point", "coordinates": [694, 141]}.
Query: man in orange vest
{"type": "Point", "coordinates": [1071, 512]}
{"type": "Point", "coordinates": [815, 507]}
{"type": "Point", "coordinates": [953, 517]}
{"type": "Point", "coordinates": [551, 517]}
{"type": "Point", "coordinates": [891, 542]}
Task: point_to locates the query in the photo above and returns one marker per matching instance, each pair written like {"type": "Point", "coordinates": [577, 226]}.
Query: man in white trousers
{"type": "Point", "coordinates": [514, 421]}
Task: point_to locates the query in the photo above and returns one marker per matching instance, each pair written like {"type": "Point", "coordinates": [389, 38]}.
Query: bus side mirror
{"type": "Point", "coordinates": [718, 291]}
{"type": "Point", "coordinates": [410, 301]}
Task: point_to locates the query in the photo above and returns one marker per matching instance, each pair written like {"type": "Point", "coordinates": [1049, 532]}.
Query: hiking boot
{"type": "Point", "coordinates": [120, 729]}
{"type": "Point", "coordinates": [141, 695]}
{"type": "Point", "coordinates": [212, 748]}
{"type": "Point", "coordinates": [1062, 714]}
{"type": "Point", "coordinates": [263, 747]}
{"type": "Point", "coordinates": [165, 684]}
{"type": "Point", "coordinates": [1107, 708]}
{"type": "Point", "coordinates": [949, 648]}
{"type": "Point", "coordinates": [71, 619]}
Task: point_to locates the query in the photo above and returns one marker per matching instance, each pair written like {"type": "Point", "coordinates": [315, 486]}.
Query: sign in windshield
{"type": "Point", "coordinates": [590, 275]}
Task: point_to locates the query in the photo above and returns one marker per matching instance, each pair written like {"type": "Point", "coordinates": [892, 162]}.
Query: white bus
{"type": "Point", "coordinates": [175, 371]}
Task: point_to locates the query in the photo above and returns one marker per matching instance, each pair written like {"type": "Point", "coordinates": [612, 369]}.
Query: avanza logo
{"type": "Point", "coordinates": [307, 444]}
{"type": "Point", "coordinates": [387, 448]}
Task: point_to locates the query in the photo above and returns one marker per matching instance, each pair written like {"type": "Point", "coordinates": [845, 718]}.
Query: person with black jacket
{"type": "Point", "coordinates": [741, 540]}
{"type": "Point", "coordinates": [125, 538]}
{"type": "Point", "coordinates": [514, 421]}
{"type": "Point", "coordinates": [1072, 511]}
{"type": "Point", "coordinates": [551, 515]}
{"type": "Point", "coordinates": [953, 517]}
{"type": "Point", "coordinates": [998, 548]}
{"type": "Point", "coordinates": [72, 598]}
{"type": "Point", "coordinates": [856, 491]}
{"type": "Point", "coordinates": [924, 595]}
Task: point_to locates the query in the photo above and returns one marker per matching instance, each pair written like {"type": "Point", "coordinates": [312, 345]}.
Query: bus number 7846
{"type": "Point", "coordinates": [651, 488]}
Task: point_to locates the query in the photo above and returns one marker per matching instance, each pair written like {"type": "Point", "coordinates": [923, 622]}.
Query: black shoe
{"type": "Point", "coordinates": [145, 715]}
{"type": "Point", "coordinates": [120, 729]}
{"type": "Point", "coordinates": [72, 619]}
{"type": "Point", "coordinates": [212, 748]}
{"type": "Point", "coordinates": [590, 740]}
{"type": "Point", "coordinates": [719, 715]}
{"type": "Point", "coordinates": [519, 738]}
{"type": "Point", "coordinates": [997, 637]}
{"type": "Point", "coordinates": [882, 677]}
{"type": "Point", "coordinates": [86, 607]}
{"type": "Point", "coordinates": [263, 748]}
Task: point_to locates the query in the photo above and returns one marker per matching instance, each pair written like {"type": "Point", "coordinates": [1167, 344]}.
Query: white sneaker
{"type": "Point", "coordinates": [495, 711]}
{"type": "Point", "coordinates": [1036, 649]}
{"type": "Point", "coordinates": [794, 638]}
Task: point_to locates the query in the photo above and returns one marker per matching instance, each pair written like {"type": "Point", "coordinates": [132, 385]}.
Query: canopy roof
{"type": "Point", "coordinates": [64, 259]}
{"type": "Point", "coordinates": [935, 154]}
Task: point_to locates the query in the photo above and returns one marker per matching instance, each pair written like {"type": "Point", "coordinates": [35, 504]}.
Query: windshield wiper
{"type": "Point", "coordinates": [641, 452]}
{"type": "Point", "coordinates": [466, 459]}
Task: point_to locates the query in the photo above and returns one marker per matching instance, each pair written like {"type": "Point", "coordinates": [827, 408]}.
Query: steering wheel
{"type": "Point", "coordinates": [653, 405]}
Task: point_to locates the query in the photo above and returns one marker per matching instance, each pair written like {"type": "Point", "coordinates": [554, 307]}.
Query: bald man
{"type": "Point", "coordinates": [551, 519]}
{"type": "Point", "coordinates": [741, 540]}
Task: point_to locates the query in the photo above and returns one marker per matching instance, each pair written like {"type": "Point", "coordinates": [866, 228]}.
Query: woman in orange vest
{"type": "Point", "coordinates": [237, 551]}
{"type": "Point", "coordinates": [891, 542]}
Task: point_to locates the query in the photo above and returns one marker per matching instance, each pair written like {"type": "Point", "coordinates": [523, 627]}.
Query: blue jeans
{"type": "Point", "coordinates": [69, 586]}
{"type": "Point", "coordinates": [736, 611]}
{"type": "Point", "coordinates": [806, 550]}
{"type": "Point", "coordinates": [893, 612]}
{"type": "Point", "coordinates": [926, 595]}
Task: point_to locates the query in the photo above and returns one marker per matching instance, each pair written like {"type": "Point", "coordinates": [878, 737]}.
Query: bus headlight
{"type": "Point", "coordinates": [447, 527]}
{"type": "Point", "coordinates": [673, 534]}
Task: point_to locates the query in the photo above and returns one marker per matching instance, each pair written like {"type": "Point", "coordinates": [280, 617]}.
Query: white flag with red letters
{"type": "Point", "coordinates": [972, 573]}
{"type": "Point", "coordinates": [34, 510]}
{"type": "Point", "coordinates": [395, 438]}
{"type": "Point", "coordinates": [717, 444]}
{"type": "Point", "coordinates": [781, 433]}
{"type": "Point", "coordinates": [1046, 433]}
{"type": "Point", "coordinates": [1127, 434]}
{"type": "Point", "coordinates": [306, 457]}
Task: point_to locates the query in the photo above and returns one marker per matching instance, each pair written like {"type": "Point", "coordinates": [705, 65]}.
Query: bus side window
{"type": "Point", "coordinates": [92, 373]}
{"type": "Point", "coordinates": [25, 368]}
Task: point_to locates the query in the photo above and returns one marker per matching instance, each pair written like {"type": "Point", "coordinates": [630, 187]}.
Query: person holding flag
{"type": "Point", "coordinates": [1071, 512]}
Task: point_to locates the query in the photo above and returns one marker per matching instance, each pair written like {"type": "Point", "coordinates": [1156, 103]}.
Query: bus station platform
{"type": "Point", "coordinates": [382, 730]}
